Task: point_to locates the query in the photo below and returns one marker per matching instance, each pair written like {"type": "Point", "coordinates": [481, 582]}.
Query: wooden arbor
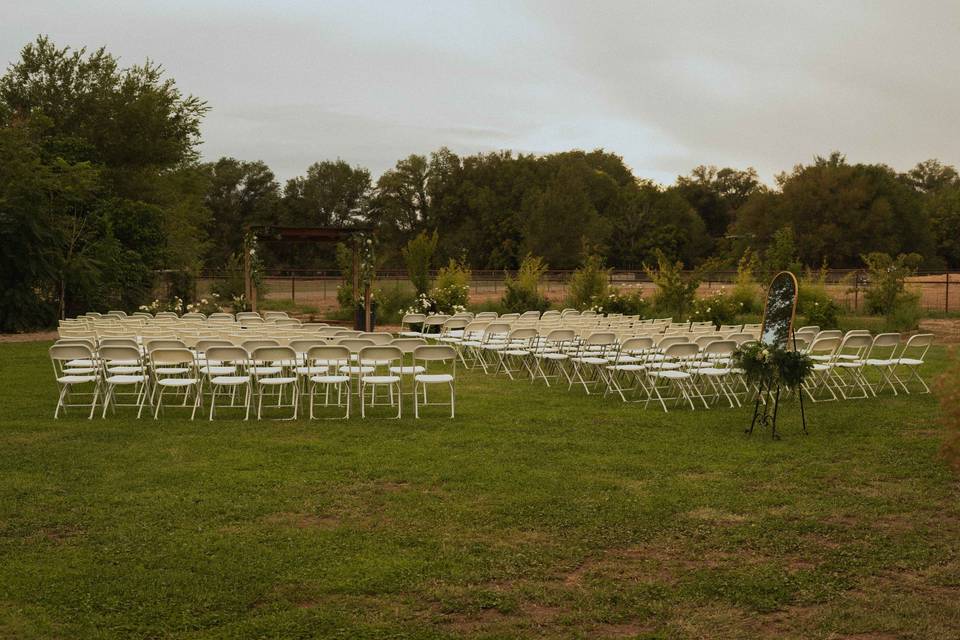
{"type": "Point", "coordinates": [313, 235]}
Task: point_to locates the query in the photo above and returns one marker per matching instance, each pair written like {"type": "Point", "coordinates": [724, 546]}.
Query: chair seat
{"type": "Point", "coordinates": [74, 371]}
{"type": "Point", "coordinates": [76, 379]}
{"type": "Point", "coordinates": [553, 356]}
{"type": "Point", "coordinates": [81, 363]}
{"type": "Point", "coordinates": [662, 365]}
{"type": "Point", "coordinates": [407, 370]}
{"type": "Point", "coordinates": [125, 369]}
{"type": "Point", "coordinates": [715, 372]}
{"type": "Point", "coordinates": [355, 370]}
{"type": "Point", "coordinates": [218, 371]}
{"type": "Point", "coordinates": [671, 374]}
{"type": "Point", "coordinates": [819, 366]}
{"type": "Point", "coordinates": [515, 352]}
{"type": "Point", "coordinates": [471, 343]}
{"type": "Point", "coordinates": [177, 382]}
{"type": "Point", "coordinates": [850, 364]}
{"type": "Point", "coordinates": [265, 370]}
{"type": "Point", "coordinates": [912, 362]}
{"type": "Point", "coordinates": [626, 367]}
{"type": "Point", "coordinates": [450, 339]}
{"type": "Point", "coordinates": [430, 378]}
{"type": "Point", "coordinates": [125, 379]}
{"type": "Point", "coordinates": [410, 334]}
{"type": "Point", "coordinates": [332, 379]}
{"type": "Point", "coordinates": [380, 379]}
{"type": "Point", "coordinates": [230, 380]}
{"type": "Point", "coordinates": [874, 362]}
{"type": "Point", "coordinates": [590, 360]}
{"type": "Point", "coordinates": [311, 371]}
{"type": "Point", "coordinates": [171, 371]}
{"type": "Point", "coordinates": [277, 380]}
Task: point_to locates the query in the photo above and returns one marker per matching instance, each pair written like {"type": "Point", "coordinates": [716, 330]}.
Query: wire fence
{"type": "Point", "coordinates": [938, 291]}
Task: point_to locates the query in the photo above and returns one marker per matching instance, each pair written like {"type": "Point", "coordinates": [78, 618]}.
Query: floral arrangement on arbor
{"type": "Point", "coordinates": [768, 366]}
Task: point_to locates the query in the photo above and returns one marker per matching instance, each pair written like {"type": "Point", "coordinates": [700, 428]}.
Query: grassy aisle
{"type": "Point", "coordinates": [536, 513]}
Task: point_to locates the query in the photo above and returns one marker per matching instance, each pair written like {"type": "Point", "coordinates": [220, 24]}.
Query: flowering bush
{"type": "Point", "coordinates": [766, 365]}
{"type": "Point", "coordinates": [719, 308]}
{"type": "Point", "coordinates": [631, 303]}
{"type": "Point", "coordinates": [206, 306]}
{"type": "Point", "coordinates": [451, 299]}
{"type": "Point", "coordinates": [174, 304]}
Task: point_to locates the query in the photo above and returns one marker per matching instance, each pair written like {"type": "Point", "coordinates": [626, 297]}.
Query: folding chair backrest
{"type": "Point", "coordinates": [118, 342]}
{"type": "Point", "coordinates": [228, 354]}
{"type": "Point", "coordinates": [329, 353]}
{"type": "Point", "coordinates": [917, 346]}
{"type": "Point", "coordinates": [274, 354]}
{"type": "Point", "coordinates": [113, 353]}
{"type": "Point", "coordinates": [719, 348]}
{"type": "Point", "coordinates": [407, 345]}
{"type": "Point", "coordinates": [165, 343]}
{"type": "Point", "coordinates": [412, 318]}
{"type": "Point", "coordinates": [486, 315]}
{"type": "Point", "coordinates": [857, 342]}
{"type": "Point", "coordinates": [810, 327]}
{"type": "Point", "coordinates": [824, 346]}
{"type": "Point", "coordinates": [561, 335]}
{"type": "Point", "coordinates": [303, 345]}
{"type": "Point", "coordinates": [496, 329]}
{"type": "Point", "coordinates": [435, 353]}
{"type": "Point", "coordinates": [682, 350]}
{"type": "Point", "coordinates": [380, 354]}
{"type": "Point", "coordinates": [530, 314]}
{"type": "Point", "coordinates": [346, 333]}
{"type": "Point", "coordinates": [66, 352]}
{"type": "Point", "coordinates": [600, 338]}
{"type": "Point", "coordinates": [637, 344]}
{"type": "Point", "coordinates": [830, 333]}
{"type": "Point", "coordinates": [669, 341]}
{"type": "Point", "coordinates": [377, 337]}
{"type": "Point", "coordinates": [87, 342]}
{"type": "Point", "coordinates": [251, 345]}
{"type": "Point", "coordinates": [703, 340]}
{"type": "Point", "coordinates": [518, 335]}
{"type": "Point", "coordinates": [203, 345]}
{"type": "Point", "coordinates": [166, 356]}
{"type": "Point", "coordinates": [454, 324]}
{"type": "Point", "coordinates": [356, 344]}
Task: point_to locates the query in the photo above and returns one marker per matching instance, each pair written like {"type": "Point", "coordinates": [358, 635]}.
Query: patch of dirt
{"type": "Point", "coordinates": [944, 330]}
{"type": "Point", "coordinates": [34, 336]}
{"type": "Point", "coordinates": [303, 520]}
{"type": "Point", "coordinates": [716, 516]}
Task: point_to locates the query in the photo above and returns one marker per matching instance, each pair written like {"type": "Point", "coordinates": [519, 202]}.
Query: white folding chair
{"type": "Point", "coordinates": [123, 366]}
{"type": "Point", "coordinates": [329, 358]}
{"type": "Point", "coordinates": [911, 358]}
{"type": "Point", "coordinates": [430, 356]}
{"type": "Point", "coordinates": [376, 357]}
{"type": "Point", "coordinates": [69, 377]}
{"type": "Point", "coordinates": [232, 373]}
{"type": "Point", "coordinates": [174, 369]}
{"type": "Point", "coordinates": [274, 371]}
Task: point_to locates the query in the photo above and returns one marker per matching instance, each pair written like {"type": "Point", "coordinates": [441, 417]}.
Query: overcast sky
{"type": "Point", "coordinates": [667, 85]}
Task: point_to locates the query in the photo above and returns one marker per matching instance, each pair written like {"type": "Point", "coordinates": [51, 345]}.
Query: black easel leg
{"type": "Point", "coordinates": [756, 410]}
{"type": "Point", "coordinates": [773, 423]}
{"type": "Point", "coordinates": [803, 415]}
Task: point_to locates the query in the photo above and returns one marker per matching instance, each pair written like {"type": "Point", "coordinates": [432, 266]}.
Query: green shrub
{"type": "Point", "coordinates": [523, 291]}
{"type": "Point", "coordinates": [905, 313]}
{"type": "Point", "coordinates": [417, 256]}
{"type": "Point", "coordinates": [815, 303]}
{"type": "Point", "coordinates": [675, 292]}
{"type": "Point", "coordinates": [719, 308]}
{"type": "Point", "coordinates": [746, 292]}
{"type": "Point", "coordinates": [887, 277]}
{"type": "Point", "coordinates": [392, 301]}
{"type": "Point", "coordinates": [588, 284]}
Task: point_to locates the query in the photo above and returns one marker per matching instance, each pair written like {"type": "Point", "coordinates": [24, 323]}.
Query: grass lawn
{"type": "Point", "coordinates": [536, 513]}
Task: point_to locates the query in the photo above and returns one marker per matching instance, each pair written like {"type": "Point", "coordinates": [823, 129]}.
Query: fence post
{"type": "Point", "coordinates": [946, 296]}
{"type": "Point", "coordinates": [293, 289]}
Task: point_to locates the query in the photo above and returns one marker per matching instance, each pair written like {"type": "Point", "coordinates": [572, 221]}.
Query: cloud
{"type": "Point", "coordinates": [668, 85]}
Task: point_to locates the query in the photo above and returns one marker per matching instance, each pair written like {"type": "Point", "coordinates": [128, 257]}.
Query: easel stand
{"type": "Point", "coordinates": [768, 405]}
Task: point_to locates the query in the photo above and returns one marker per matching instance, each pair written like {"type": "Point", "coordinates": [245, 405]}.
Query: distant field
{"type": "Point", "coordinates": [536, 513]}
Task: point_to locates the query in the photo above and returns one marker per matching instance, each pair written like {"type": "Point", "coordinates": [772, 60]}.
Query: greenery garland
{"type": "Point", "coordinates": [766, 365]}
